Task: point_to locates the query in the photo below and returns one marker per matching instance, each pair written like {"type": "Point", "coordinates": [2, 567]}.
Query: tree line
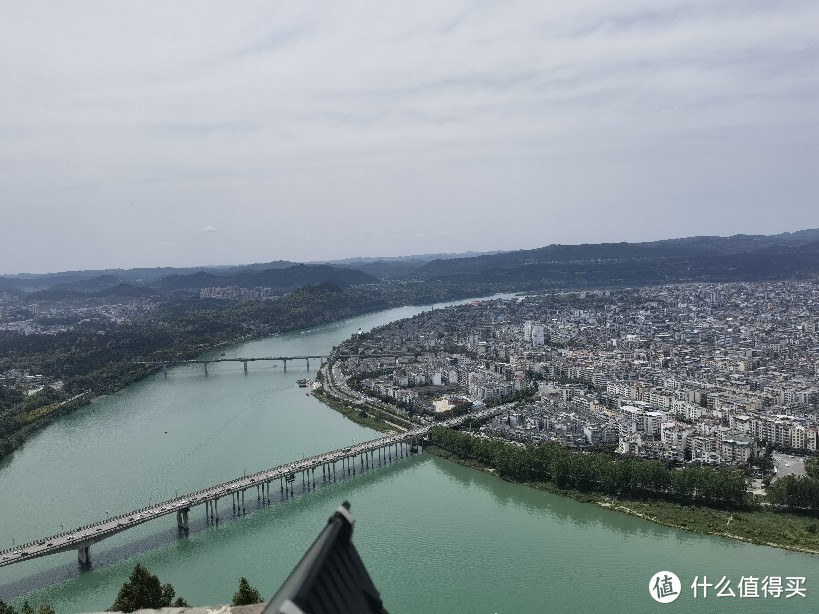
{"type": "Point", "coordinates": [143, 591]}
{"type": "Point", "coordinates": [100, 356]}
{"type": "Point", "coordinates": [598, 472]}
{"type": "Point", "coordinates": [798, 493]}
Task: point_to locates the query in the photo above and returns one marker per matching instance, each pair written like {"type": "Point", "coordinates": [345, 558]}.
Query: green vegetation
{"type": "Point", "coordinates": [26, 608]}
{"type": "Point", "coordinates": [365, 417]}
{"type": "Point", "coordinates": [812, 467]}
{"type": "Point", "coordinates": [599, 472]}
{"type": "Point", "coordinates": [143, 590]}
{"type": "Point", "coordinates": [759, 525]}
{"type": "Point", "coordinates": [764, 525]}
{"type": "Point", "coordinates": [29, 415]}
{"type": "Point", "coordinates": [246, 595]}
{"type": "Point", "coordinates": [796, 493]}
{"type": "Point", "coordinates": [100, 357]}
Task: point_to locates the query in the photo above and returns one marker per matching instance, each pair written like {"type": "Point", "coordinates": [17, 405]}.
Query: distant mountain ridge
{"type": "Point", "coordinates": [700, 258]}
{"type": "Point", "coordinates": [284, 279]}
{"type": "Point", "coordinates": [60, 292]}
{"type": "Point", "coordinates": [736, 258]}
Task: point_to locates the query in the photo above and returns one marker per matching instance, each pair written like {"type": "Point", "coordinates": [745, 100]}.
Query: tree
{"type": "Point", "coordinates": [812, 467]}
{"type": "Point", "coordinates": [246, 595]}
{"type": "Point", "coordinates": [27, 608]}
{"type": "Point", "coordinates": [143, 590]}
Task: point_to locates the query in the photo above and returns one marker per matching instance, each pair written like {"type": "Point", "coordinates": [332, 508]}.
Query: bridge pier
{"type": "Point", "coordinates": [84, 555]}
{"type": "Point", "coordinates": [182, 518]}
{"type": "Point", "coordinates": [308, 364]}
{"type": "Point", "coordinates": [245, 364]}
{"type": "Point", "coordinates": [284, 360]}
{"type": "Point", "coordinates": [206, 368]}
{"type": "Point", "coordinates": [165, 369]}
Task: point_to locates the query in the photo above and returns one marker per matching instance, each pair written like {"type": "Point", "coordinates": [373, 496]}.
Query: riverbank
{"type": "Point", "coordinates": [355, 414]}
{"type": "Point", "coordinates": [763, 527]}
{"type": "Point", "coordinates": [364, 413]}
{"type": "Point", "coordinates": [182, 330]}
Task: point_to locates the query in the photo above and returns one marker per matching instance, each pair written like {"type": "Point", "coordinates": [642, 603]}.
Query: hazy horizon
{"type": "Point", "coordinates": [364, 258]}
{"type": "Point", "coordinates": [146, 134]}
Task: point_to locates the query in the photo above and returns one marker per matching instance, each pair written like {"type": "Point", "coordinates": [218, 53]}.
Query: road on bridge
{"type": "Point", "coordinates": [82, 538]}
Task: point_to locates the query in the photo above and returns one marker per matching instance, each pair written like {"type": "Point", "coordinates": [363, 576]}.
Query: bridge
{"type": "Point", "coordinates": [368, 455]}
{"type": "Point", "coordinates": [206, 361]}
{"type": "Point", "coordinates": [283, 359]}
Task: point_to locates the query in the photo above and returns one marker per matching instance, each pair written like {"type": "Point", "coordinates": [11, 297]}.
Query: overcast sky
{"type": "Point", "coordinates": [174, 134]}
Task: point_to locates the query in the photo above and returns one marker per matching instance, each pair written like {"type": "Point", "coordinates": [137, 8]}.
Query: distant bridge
{"type": "Point", "coordinates": [368, 455]}
{"type": "Point", "coordinates": [206, 361]}
{"type": "Point", "coordinates": [283, 359]}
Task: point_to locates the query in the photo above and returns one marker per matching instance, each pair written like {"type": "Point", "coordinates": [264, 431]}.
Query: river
{"type": "Point", "coordinates": [436, 537]}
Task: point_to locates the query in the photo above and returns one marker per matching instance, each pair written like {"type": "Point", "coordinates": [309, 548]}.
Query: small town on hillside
{"type": "Point", "coordinates": [698, 373]}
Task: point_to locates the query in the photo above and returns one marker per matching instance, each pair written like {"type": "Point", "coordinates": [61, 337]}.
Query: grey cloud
{"type": "Point", "coordinates": [527, 114]}
{"type": "Point", "coordinates": [199, 129]}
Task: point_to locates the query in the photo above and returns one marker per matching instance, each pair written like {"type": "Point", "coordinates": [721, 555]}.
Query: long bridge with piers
{"type": "Point", "coordinates": [206, 361]}
{"type": "Point", "coordinates": [282, 359]}
{"type": "Point", "coordinates": [368, 455]}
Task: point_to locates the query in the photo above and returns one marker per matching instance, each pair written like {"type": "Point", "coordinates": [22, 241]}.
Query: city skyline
{"type": "Point", "coordinates": [187, 135]}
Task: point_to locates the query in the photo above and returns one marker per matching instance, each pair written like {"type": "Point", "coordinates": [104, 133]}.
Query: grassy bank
{"type": "Point", "coordinates": [354, 413]}
{"type": "Point", "coordinates": [762, 526]}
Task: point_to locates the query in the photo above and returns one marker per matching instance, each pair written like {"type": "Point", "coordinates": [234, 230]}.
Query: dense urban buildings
{"type": "Point", "coordinates": [692, 372]}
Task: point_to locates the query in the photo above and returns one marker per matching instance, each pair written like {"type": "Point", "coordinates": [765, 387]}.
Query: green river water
{"type": "Point", "coordinates": [436, 537]}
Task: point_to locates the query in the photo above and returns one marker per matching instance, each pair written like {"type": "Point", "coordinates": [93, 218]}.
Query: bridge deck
{"type": "Point", "coordinates": [199, 361]}
{"type": "Point", "coordinates": [94, 532]}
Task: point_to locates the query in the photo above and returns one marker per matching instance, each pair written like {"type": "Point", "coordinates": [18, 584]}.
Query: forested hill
{"type": "Point", "coordinates": [737, 258]}
{"type": "Point", "coordinates": [62, 286]}
{"type": "Point", "coordinates": [695, 259]}
{"type": "Point", "coordinates": [285, 279]}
